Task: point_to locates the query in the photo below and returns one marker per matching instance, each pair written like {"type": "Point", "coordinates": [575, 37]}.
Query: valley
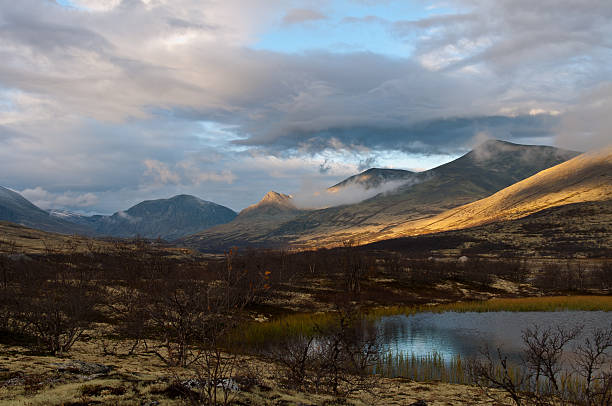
{"type": "Point", "coordinates": [158, 301]}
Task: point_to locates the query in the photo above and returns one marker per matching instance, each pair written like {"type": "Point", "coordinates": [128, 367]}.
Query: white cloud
{"type": "Point", "coordinates": [160, 172]}
{"type": "Point", "coordinates": [47, 200]}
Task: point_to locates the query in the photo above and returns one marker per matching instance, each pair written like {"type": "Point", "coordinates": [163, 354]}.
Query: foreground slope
{"type": "Point", "coordinates": [586, 178]}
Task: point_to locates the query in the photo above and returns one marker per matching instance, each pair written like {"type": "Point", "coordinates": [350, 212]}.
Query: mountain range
{"type": "Point", "coordinates": [483, 171]}
{"type": "Point", "coordinates": [496, 182]}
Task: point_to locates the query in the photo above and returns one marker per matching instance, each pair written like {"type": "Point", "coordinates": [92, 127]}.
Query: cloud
{"type": "Point", "coordinates": [46, 200]}
{"type": "Point", "coordinates": [311, 197]}
{"type": "Point", "coordinates": [302, 15]}
{"type": "Point", "coordinates": [160, 172]}
{"type": "Point", "coordinates": [88, 94]}
{"type": "Point", "coordinates": [194, 65]}
{"type": "Point", "coordinates": [366, 163]}
{"type": "Point", "coordinates": [588, 126]}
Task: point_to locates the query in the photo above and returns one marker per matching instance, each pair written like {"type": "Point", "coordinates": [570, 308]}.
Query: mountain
{"type": "Point", "coordinates": [373, 178]}
{"type": "Point", "coordinates": [585, 178]}
{"type": "Point", "coordinates": [250, 227]}
{"type": "Point", "coordinates": [17, 209]}
{"type": "Point", "coordinates": [166, 218]}
{"type": "Point", "coordinates": [272, 204]}
{"type": "Point", "coordinates": [488, 168]}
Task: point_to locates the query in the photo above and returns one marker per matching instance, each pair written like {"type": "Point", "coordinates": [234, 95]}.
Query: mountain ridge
{"type": "Point", "coordinates": [481, 172]}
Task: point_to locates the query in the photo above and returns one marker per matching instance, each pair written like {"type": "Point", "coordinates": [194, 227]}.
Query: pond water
{"type": "Point", "coordinates": [453, 334]}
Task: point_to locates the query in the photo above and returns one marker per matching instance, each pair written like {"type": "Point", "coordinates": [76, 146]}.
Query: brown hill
{"type": "Point", "coordinates": [586, 178]}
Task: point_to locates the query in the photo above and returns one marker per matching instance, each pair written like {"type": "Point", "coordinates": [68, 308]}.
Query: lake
{"type": "Point", "coordinates": [450, 335]}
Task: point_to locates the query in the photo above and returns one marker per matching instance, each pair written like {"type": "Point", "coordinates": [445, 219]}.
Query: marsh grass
{"type": "Point", "coordinates": [428, 367]}
{"type": "Point", "coordinates": [256, 335]}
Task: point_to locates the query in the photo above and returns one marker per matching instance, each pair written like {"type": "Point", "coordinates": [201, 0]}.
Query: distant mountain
{"type": "Point", "coordinates": [250, 227]}
{"type": "Point", "coordinates": [586, 178]}
{"type": "Point", "coordinates": [373, 178]}
{"type": "Point", "coordinates": [166, 218]}
{"type": "Point", "coordinates": [483, 171]}
{"type": "Point", "coordinates": [17, 209]}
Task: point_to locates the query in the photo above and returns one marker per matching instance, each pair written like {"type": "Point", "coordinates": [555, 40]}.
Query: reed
{"type": "Point", "coordinates": [527, 304]}
{"type": "Point", "coordinates": [428, 367]}
{"type": "Point", "coordinates": [256, 335]}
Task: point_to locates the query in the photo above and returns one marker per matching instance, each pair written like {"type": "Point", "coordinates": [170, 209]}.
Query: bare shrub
{"type": "Point", "coordinates": [546, 376]}
{"type": "Point", "coordinates": [544, 349]}
{"type": "Point", "coordinates": [338, 360]}
{"type": "Point", "coordinates": [594, 364]}
{"type": "Point", "coordinates": [494, 372]}
{"type": "Point", "coordinates": [177, 311]}
{"type": "Point", "coordinates": [297, 357]}
{"type": "Point", "coordinates": [56, 312]}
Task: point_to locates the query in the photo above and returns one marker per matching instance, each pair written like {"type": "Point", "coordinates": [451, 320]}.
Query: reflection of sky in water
{"type": "Point", "coordinates": [465, 334]}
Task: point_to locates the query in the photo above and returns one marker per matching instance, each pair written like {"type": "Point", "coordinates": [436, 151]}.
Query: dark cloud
{"type": "Point", "coordinates": [442, 136]}
{"type": "Point", "coordinates": [324, 167]}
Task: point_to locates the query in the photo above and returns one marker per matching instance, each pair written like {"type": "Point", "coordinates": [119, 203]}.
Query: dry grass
{"type": "Point", "coordinates": [527, 304]}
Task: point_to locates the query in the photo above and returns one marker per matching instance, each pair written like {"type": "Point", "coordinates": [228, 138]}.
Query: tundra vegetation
{"type": "Point", "coordinates": [261, 327]}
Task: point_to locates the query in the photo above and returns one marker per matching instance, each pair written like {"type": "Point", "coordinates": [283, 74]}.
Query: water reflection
{"type": "Point", "coordinates": [464, 334]}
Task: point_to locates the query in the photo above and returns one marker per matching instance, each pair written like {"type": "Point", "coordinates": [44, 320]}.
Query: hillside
{"type": "Point", "coordinates": [573, 230]}
{"type": "Point", "coordinates": [586, 178]}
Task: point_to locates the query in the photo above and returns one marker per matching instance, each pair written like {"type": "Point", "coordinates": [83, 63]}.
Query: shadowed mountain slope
{"type": "Point", "coordinates": [166, 218]}
{"type": "Point", "coordinates": [17, 209]}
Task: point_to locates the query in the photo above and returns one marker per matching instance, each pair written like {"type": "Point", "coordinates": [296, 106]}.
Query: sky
{"type": "Point", "coordinates": [105, 103]}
